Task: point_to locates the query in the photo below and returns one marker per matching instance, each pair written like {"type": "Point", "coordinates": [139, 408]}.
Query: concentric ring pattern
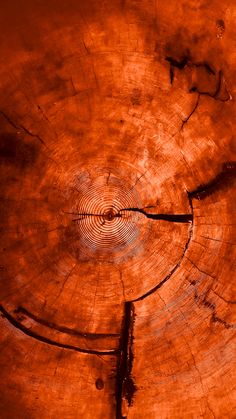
{"type": "Point", "coordinates": [117, 119]}
{"type": "Point", "coordinates": [103, 220]}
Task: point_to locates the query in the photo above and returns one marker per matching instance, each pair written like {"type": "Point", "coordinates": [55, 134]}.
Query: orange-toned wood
{"type": "Point", "coordinates": [117, 209]}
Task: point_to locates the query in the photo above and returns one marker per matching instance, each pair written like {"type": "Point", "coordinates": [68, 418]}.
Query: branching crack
{"type": "Point", "coordinates": [216, 94]}
{"type": "Point", "coordinates": [186, 62]}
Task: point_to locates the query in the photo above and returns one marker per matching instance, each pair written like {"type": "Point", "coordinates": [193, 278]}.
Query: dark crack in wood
{"type": "Point", "coordinates": [184, 121]}
{"type": "Point", "coordinates": [63, 329]}
{"type": "Point", "coordinates": [20, 126]}
{"type": "Point", "coordinates": [174, 218]}
{"type": "Point", "coordinates": [223, 180]}
{"type": "Point", "coordinates": [51, 342]}
{"type": "Point", "coordinates": [158, 286]}
{"type": "Point", "coordinates": [125, 385]}
{"type": "Point", "coordinates": [186, 61]}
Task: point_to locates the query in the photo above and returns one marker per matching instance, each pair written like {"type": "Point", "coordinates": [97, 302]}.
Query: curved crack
{"type": "Point", "coordinates": [51, 342]}
{"type": "Point", "coordinates": [175, 267]}
{"type": "Point", "coordinates": [169, 275]}
{"type": "Point", "coordinates": [64, 329]}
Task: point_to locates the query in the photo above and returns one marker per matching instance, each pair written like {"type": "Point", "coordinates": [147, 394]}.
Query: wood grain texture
{"type": "Point", "coordinates": [117, 209]}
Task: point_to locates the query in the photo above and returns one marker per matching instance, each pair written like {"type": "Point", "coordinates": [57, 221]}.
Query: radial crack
{"type": "Point", "coordinates": [175, 218]}
{"type": "Point", "coordinates": [125, 386]}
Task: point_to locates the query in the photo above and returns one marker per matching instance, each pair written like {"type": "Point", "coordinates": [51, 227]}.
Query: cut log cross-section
{"type": "Point", "coordinates": [117, 209]}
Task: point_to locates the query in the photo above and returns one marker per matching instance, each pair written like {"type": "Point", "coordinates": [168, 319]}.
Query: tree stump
{"type": "Point", "coordinates": [117, 152]}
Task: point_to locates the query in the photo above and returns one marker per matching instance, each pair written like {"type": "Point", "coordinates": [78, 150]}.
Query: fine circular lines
{"type": "Point", "coordinates": [101, 217]}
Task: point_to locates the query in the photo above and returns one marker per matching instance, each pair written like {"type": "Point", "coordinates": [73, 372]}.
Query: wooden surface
{"type": "Point", "coordinates": [117, 210]}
